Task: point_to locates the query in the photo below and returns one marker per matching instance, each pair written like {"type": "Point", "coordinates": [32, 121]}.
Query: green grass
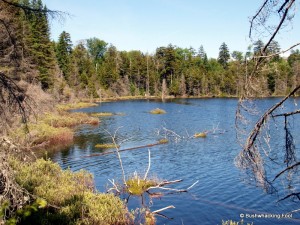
{"type": "Point", "coordinates": [157, 111]}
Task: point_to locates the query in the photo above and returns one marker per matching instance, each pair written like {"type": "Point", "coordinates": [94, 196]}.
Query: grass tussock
{"type": "Point", "coordinates": [72, 194]}
{"type": "Point", "coordinates": [106, 146]}
{"type": "Point", "coordinates": [42, 133]}
{"type": "Point", "coordinates": [78, 105]}
{"type": "Point", "coordinates": [200, 135]}
{"type": "Point", "coordinates": [53, 129]}
{"type": "Point", "coordinates": [163, 141]}
{"type": "Point", "coordinates": [157, 111]}
{"type": "Point", "coordinates": [138, 186]}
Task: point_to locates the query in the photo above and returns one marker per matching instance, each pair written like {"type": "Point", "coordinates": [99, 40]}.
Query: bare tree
{"type": "Point", "coordinates": [258, 157]}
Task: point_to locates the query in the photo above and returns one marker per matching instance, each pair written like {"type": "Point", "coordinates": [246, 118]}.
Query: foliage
{"type": "Point", "coordinates": [157, 111]}
{"type": "Point", "coordinates": [70, 197]}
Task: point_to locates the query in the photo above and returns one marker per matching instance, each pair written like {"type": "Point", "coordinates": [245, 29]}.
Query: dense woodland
{"type": "Point", "coordinates": [95, 68]}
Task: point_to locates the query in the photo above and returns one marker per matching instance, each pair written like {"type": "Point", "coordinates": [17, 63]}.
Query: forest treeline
{"type": "Point", "coordinates": [95, 68]}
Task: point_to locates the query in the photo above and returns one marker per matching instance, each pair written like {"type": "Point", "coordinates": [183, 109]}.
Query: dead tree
{"type": "Point", "coordinates": [265, 164]}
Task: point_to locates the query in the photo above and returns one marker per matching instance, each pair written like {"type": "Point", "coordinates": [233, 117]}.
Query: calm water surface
{"type": "Point", "coordinates": [220, 194]}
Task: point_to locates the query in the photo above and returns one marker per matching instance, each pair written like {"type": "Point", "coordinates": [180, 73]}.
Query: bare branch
{"type": "Point", "coordinates": [286, 169]}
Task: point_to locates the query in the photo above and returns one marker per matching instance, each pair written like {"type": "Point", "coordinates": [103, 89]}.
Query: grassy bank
{"type": "Point", "coordinates": [51, 129]}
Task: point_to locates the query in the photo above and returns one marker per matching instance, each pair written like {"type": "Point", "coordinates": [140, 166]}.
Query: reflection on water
{"type": "Point", "coordinates": [221, 193]}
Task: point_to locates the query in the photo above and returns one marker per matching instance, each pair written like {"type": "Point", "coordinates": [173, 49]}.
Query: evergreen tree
{"type": "Point", "coordinates": [224, 55]}
{"type": "Point", "coordinates": [63, 53]}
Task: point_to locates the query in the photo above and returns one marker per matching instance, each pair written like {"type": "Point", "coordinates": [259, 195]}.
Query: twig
{"type": "Point", "coordinates": [149, 165]}
{"type": "Point", "coordinates": [165, 208]}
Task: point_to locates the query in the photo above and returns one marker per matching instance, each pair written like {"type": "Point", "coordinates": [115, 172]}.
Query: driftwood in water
{"type": "Point", "coordinates": [122, 150]}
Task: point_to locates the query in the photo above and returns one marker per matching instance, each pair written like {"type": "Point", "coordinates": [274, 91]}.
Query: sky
{"type": "Point", "coordinates": [148, 24]}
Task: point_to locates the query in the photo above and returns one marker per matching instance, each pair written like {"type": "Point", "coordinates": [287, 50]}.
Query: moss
{"type": "Point", "coordinates": [157, 111]}
{"type": "Point", "coordinates": [72, 194]}
{"type": "Point", "coordinates": [200, 135]}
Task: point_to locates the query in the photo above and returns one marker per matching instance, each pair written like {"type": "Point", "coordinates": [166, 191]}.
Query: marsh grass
{"type": "Point", "coordinates": [78, 105]}
{"type": "Point", "coordinates": [157, 111]}
{"type": "Point", "coordinates": [70, 196]}
{"type": "Point", "coordinates": [68, 119]}
{"type": "Point", "coordinates": [53, 129]}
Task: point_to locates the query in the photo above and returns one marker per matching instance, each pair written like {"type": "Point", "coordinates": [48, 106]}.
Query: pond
{"type": "Point", "coordinates": [222, 192]}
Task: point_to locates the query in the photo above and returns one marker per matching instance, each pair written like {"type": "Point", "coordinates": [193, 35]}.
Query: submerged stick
{"type": "Point", "coordinates": [122, 150]}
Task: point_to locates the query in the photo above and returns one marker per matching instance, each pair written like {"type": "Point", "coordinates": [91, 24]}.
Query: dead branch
{"type": "Point", "coordinates": [287, 114]}
{"type": "Point", "coordinates": [257, 128]}
{"type": "Point", "coordinates": [117, 150]}
{"type": "Point", "coordinates": [149, 165]}
{"type": "Point", "coordinates": [286, 169]}
{"type": "Point", "coordinates": [163, 209]}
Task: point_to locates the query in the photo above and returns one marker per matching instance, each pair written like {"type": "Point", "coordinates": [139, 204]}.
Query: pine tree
{"type": "Point", "coordinates": [224, 55]}
{"type": "Point", "coordinates": [63, 53]}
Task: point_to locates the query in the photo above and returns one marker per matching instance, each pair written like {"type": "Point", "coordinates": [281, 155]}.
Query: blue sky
{"type": "Point", "coordinates": [147, 24]}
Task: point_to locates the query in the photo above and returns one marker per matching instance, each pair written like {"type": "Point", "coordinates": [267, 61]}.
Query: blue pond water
{"type": "Point", "coordinates": [220, 194]}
